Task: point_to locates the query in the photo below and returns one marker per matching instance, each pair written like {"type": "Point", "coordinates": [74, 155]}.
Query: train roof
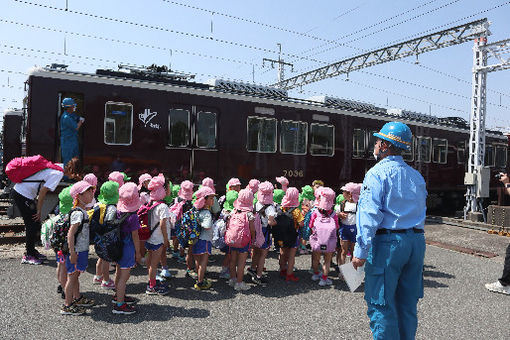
{"type": "Point", "coordinates": [259, 94]}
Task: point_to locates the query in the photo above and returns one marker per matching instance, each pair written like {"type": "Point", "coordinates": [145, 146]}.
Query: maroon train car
{"type": "Point", "coordinates": [226, 129]}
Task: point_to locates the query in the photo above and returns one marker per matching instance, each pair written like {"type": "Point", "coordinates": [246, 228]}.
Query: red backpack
{"type": "Point", "coordinates": [20, 168]}
{"type": "Point", "coordinates": [144, 216]}
{"type": "Point", "coordinates": [238, 230]}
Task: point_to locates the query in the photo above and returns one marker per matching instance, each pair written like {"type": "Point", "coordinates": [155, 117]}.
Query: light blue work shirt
{"type": "Point", "coordinates": [393, 196]}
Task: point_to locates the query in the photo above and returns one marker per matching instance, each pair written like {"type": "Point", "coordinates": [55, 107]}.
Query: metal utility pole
{"type": "Point", "coordinates": [281, 64]}
{"type": "Point", "coordinates": [477, 176]}
{"type": "Point", "coordinates": [449, 37]}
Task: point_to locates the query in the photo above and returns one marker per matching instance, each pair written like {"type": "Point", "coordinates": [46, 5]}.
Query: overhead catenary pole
{"type": "Point", "coordinates": [281, 65]}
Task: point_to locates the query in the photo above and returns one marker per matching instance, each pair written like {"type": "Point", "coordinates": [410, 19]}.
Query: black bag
{"type": "Point", "coordinates": [58, 240]}
{"type": "Point", "coordinates": [108, 241]}
{"type": "Point", "coordinates": [284, 233]}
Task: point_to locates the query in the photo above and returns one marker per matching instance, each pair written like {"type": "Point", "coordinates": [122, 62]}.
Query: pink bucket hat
{"type": "Point", "coordinates": [244, 201]}
{"type": "Point", "coordinates": [201, 194]}
{"type": "Point", "coordinates": [291, 198]}
{"type": "Point", "coordinates": [157, 188]}
{"type": "Point", "coordinates": [129, 199]}
{"type": "Point", "coordinates": [233, 182]}
{"type": "Point", "coordinates": [327, 198]}
{"type": "Point", "coordinates": [265, 193]}
{"type": "Point", "coordinates": [79, 188]}
{"type": "Point", "coordinates": [284, 182]}
{"type": "Point", "coordinates": [116, 176]}
{"type": "Point", "coordinates": [208, 182]}
{"type": "Point", "coordinates": [253, 185]}
{"type": "Point", "coordinates": [186, 190]}
{"type": "Point", "coordinates": [91, 178]}
{"type": "Point", "coordinates": [142, 179]}
{"type": "Point", "coordinates": [354, 189]}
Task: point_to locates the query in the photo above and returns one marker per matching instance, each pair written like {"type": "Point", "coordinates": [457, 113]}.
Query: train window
{"type": "Point", "coordinates": [439, 150]}
{"type": "Point", "coordinates": [118, 123]}
{"type": "Point", "coordinates": [489, 155]}
{"type": "Point", "coordinates": [206, 130]}
{"type": "Point", "coordinates": [261, 134]}
{"type": "Point", "coordinates": [461, 153]}
{"type": "Point", "coordinates": [371, 144]}
{"type": "Point", "coordinates": [408, 155]}
{"type": "Point", "coordinates": [501, 156]}
{"type": "Point", "coordinates": [358, 143]}
{"type": "Point", "coordinates": [178, 127]}
{"type": "Point", "coordinates": [293, 137]}
{"type": "Point", "coordinates": [423, 149]}
{"type": "Point", "coordinates": [322, 139]}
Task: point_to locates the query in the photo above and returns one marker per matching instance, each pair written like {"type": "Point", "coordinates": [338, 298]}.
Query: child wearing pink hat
{"type": "Point", "coordinates": [289, 214]}
{"type": "Point", "coordinates": [253, 185]}
{"type": "Point", "coordinates": [202, 249]}
{"type": "Point", "coordinates": [240, 222]}
{"type": "Point", "coordinates": [232, 184]}
{"type": "Point", "coordinates": [324, 226]}
{"type": "Point", "coordinates": [143, 183]}
{"type": "Point", "coordinates": [267, 212]}
{"type": "Point", "coordinates": [78, 243]}
{"type": "Point", "coordinates": [92, 180]}
{"type": "Point", "coordinates": [282, 183]}
{"type": "Point", "coordinates": [129, 202]}
{"type": "Point", "coordinates": [117, 176]}
{"type": "Point", "coordinates": [347, 232]}
{"type": "Point", "coordinates": [158, 241]}
{"type": "Point", "coordinates": [215, 208]}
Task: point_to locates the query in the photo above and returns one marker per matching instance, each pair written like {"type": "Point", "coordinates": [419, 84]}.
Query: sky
{"type": "Point", "coordinates": [229, 40]}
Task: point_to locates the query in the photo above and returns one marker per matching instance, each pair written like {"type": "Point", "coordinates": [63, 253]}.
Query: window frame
{"type": "Point", "coordinates": [418, 159]}
{"type": "Point", "coordinates": [496, 146]}
{"type": "Point", "coordinates": [215, 131]}
{"type": "Point", "coordinates": [365, 144]}
{"type": "Point", "coordinates": [493, 155]}
{"type": "Point", "coordinates": [104, 123]}
{"type": "Point", "coordinates": [412, 152]}
{"type": "Point", "coordinates": [463, 148]}
{"type": "Point", "coordinates": [434, 151]}
{"type": "Point", "coordinates": [275, 137]}
{"type": "Point", "coordinates": [170, 127]}
{"type": "Point", "coordinates": [281, 136]}
{"type": "Point", "coordinates": [333, 148]}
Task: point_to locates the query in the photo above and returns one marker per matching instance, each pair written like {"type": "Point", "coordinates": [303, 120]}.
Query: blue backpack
{"type": "Point", "coordinates": [305, 230]}
{"type": "Point", "coordinates": [187, 228]}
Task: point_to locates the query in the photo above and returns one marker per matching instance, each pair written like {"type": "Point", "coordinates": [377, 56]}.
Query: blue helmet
{"type": "Point", "coordinates": [68, 102]}
{"type": "Point", "coordinates": [396, 133]}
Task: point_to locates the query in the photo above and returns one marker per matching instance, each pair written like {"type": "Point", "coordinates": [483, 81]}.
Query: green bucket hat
{"type": "Point", "coordinates": [175, 191]}
{"type": "Point", "coordinates": [307, 192]}
{"type": "Point", "coordinates": [339, 199]}
{"type": "Point", "coordinates": [168, 198]}
{"type": "Point", "coordinates": [109, 193]}
{"type": "Point", "coordinates": [278, 195]}
{"type": "Point", "coordinates": [126, 178]}
{"type": "Point", "coordinates": [229, 200]}
{"type": "Point", "coordinates": [65, 203]}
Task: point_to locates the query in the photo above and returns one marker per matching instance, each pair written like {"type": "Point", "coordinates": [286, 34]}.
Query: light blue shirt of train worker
{"type": "Point", "coordinates": [390, 236]}
{"type": "Point", "coordinates": [69, 125]}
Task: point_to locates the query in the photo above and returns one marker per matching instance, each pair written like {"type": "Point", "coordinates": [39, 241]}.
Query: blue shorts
{"type": "Point", "coordinates": [347, 233]}
{"type": "Point", "coordinates": [225, 250]}
{"type": "Point", "coordinates": [241, 250]}
{"type": "Point", "coordinates": [202, 247]}
{"type": "Point", "coordinates": [267, 236]}
{"type": "Point", "coordinates": [81, 263]}
{"type": "Point", "coordinates": [127, 260]}
{"type": "Point", "coordinates": [150, 246]}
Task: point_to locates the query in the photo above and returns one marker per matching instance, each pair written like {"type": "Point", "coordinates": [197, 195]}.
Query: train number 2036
{"type": "Point", "coordinates": [293, 173]}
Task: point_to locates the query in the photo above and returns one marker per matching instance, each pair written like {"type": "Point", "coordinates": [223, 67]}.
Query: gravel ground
{"type": "Point", "coordinates": [456, 304]}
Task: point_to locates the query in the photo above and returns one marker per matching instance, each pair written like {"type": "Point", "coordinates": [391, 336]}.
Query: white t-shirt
{"type": "Point", "coordinates": [158, 213]}
{"type": "Point", "coordinates": [204, 218]}
{"type": "Point", "coordinates": [269, 211]}
{"type": "Point", "coordinates": [350, 209]}
{"type": "Point", "coordinates": [48, 177]}
{"type": "Point", "coordinates": [82, 240]}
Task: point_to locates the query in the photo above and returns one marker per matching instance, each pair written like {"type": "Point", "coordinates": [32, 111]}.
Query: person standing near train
{"type": "Point", "coordinates": [70, 124]}
{"type": "Point", "coordinates": [390, 236]}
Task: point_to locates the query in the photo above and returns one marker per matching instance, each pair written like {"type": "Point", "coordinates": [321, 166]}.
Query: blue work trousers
{"type": "Point", "coordinates": [394, 283]}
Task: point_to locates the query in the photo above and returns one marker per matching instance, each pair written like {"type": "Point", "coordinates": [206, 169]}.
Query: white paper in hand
{"type": "Point", "coordinates": [352, 277]}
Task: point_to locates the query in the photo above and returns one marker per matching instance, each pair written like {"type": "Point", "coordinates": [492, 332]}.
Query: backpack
{"type": "Point", "coordinates": [48, 228]}
{"type": "Point", "coordinates": [323, 238]}
{"type": "Point", "coordinates": [260, 238]}
{"type": "Point", "coordinates": [109, 245]}
{"type": "Point", "coordinates": [305, 230]}
{"type": "Point", "coordinates": [144, 215]}
{"type": "Point", "coordinates": [238, 230]}
{"type": "Point", "coordinates": [58, 240]}
{"type": "Point", "coordinates": [187, 229]}
{"type": "Point", "coordinates": [284, 232]}
{"type": "Point", "coordinates": [218, 239]}
{"type": "Point", "coordinates": [20, 168]}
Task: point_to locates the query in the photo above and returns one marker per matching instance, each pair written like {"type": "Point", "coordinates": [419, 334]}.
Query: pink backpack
{"type": "Point", "coordinates": [238, 230]}
{"type": "Point", "coordinates": [323, 238]}
{"type": "Point", "coordinates": [259, 235]}
{"type": "Point", "coordinates": [20, 168]}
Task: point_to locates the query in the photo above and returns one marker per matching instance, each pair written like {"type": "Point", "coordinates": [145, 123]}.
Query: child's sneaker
{"type": "Point", "coordinates": [252, 272]}
{"type": "Point", "coordinates": [127, 299]}
{"type": "Point", "coordinates": [97, 280]}
{"type": "Point", "coordinates": [241, 286]}
{"type": "Point", "coordinates": [261, 281]}
{"type": "Point", "coordinates": [30, 260]}
{"type": "Point", "coordinates": [292, 278]}
{"type": "Point", "coordinates": [165, 273]}
{"type": "Point", "coordinates": [231, 282]}
{"type": "Point", "coordinates": [156, 290]}
{"type": "Point", "coordinates": [224, 274]}
{"type": "Point", "coordinates": [82, 301]}
{"type": "Point", "coordinates": [108, 284]}
{"type": "Point", "coordinates": [123, 309]}
{"type": "Point", "coordinates": [326, 282]}
{"type": "Point", "coordinates": [192, 274]}
{"type": "Point", "coordinates": [316, 277]}
{"type": "Point", "coordinates": [72, 310]}
{"type": "Point", "coordinates": [202, 285]}
{"type": "Point", "coordinates": [40, 256]}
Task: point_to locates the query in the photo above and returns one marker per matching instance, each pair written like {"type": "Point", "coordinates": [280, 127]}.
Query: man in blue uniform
{"type": "Point", "coordinates": [70, 123]}
{"type": "Point", "coordinates": [390, 237]}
